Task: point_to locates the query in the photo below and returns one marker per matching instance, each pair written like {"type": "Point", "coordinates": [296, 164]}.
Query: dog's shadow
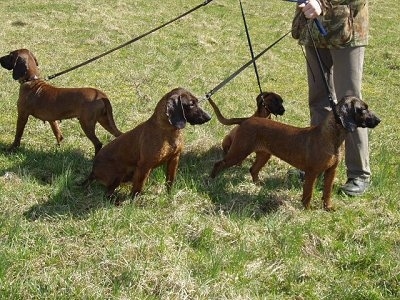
{"type": "Point", "coordinates": [232, 191]}
{"type": "Point", "coordinates": [62, 170]}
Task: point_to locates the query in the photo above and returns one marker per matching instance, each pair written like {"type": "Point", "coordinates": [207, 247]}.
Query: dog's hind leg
{"type": "Point", "coordinates": [229, 161]}
{"type": "Point", "coordinates": [89, 129]}
{"type": "Point", "coordinates": [226, 144]}
{"type": "Point", "coordinates": [139, 179]}
{"type": "Point", "coordinates": [56, 130]}
{"type": "Point", "coordinates": [329, 176]}
{"type": "Point", "coordinates": [236, 154]}
{"type": "Point", "coordinates": [261, 159]}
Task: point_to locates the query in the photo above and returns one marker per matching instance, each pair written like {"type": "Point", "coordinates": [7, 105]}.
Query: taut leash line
{"type": "Point", "coordinates": [321, 68]}
{"type": "Point", "coordinates": [238, 71]}
{"type": "Point", "coordinates": [250, 45]}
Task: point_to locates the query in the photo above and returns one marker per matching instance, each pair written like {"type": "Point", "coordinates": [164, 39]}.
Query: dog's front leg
{"type": "Point", "coordinates": [172, 167]}
{"type": "Point", "coordinates": [56, 130]}
{"type": "Point", "coordinates": [139, 179]}
{"type": "Point", "coordinates": [21, 122]}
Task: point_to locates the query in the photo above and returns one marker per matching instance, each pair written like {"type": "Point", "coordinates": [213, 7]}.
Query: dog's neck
{"type": "Point", "coordinates": [30, 78]}
{"type": "Point", "coordinates": [339, 133]}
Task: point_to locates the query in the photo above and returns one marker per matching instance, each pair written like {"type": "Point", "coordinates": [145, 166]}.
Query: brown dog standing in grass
{"type": "Point", "coordinates": [315, 150]}
{"type": "Point", "coordinates": [52, 104]}
{"type": "Point", "coordinates": [159, 140]}
{"type": "Point", "coordinates": [267, 103]}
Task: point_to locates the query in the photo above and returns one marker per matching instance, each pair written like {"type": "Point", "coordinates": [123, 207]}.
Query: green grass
{"type": "Point", "coordinates": [209, 239]}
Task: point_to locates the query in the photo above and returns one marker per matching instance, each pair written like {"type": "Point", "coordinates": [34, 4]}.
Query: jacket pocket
{"type": "Point", "coordinates": [339, 25]}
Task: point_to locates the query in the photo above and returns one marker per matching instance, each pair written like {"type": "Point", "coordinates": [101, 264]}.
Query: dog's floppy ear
{"type": "Point", "coordinates": [20, 68]}
{"type": "Point", "coordinates": [175, 112]}
{"type": "Point", "coordinates": [8, 61]}
{"type": "Point", "coordinates": [346, 115]}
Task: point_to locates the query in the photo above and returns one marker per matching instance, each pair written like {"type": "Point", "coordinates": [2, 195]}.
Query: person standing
{"type": "Point", "coordinates": [342, 54]}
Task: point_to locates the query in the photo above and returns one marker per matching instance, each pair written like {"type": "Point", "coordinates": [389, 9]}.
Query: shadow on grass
{"type": "Point", "coordinates": [232, 190]}
{"type": "Point", "coordinates": [62, 169]}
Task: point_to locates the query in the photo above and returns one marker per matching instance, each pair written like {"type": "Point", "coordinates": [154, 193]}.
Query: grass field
{"type": "Point", "coordinates": [209, 239]}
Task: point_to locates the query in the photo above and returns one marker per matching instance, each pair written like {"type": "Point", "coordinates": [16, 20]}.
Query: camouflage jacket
{"type": "Point", "coordinates": [346, 22]}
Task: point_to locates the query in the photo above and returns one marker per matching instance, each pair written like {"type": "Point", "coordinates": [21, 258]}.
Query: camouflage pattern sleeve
{"type": "Point", "coordinates": [346, 22]}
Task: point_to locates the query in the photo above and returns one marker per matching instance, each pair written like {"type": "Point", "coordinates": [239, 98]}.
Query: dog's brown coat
{"type": "Point", "coordinates": [315, 150]}
{"type": "Point", "coordinates": [53, 104]}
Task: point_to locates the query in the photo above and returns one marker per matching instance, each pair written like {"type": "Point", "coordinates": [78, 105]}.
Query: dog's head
{"type": "Point", "coordinates": [269, 103]}
{"type": "Point", "coordinates": [23, 64]}
{"type": "Point", "coordinates": [183, 107]}
{"type": "Point", "coordinates": [353, 112]}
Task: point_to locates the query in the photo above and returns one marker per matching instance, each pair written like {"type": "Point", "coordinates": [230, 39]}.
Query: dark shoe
{"type": "Point", "coordinates": [355, 186]}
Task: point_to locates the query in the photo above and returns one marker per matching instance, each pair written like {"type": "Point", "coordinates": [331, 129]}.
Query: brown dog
{"type": "Point", "coordinates": [134, 154]}
{"type": "Point", "coordinates": [52, 104]}
{"type": "Point", "coordinates": [315, 150]}
{"type": "Point", "coordinates": [267, 103]}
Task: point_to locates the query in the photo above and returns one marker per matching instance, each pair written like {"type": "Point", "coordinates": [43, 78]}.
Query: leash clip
{"type": "Point", "coordinates": [206, 97]}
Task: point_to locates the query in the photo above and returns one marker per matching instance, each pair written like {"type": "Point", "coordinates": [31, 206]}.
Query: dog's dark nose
{"type": "Point", "coordinates": [373, 120]}
{"type": "Point", "coordinates": [206, 117]}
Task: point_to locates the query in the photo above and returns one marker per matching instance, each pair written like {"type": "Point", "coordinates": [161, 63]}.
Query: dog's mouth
{"type": "Point", "coordinates": [279, 112]}
{"type": "Point", "coordinates": [372, 122]}
{"type": "Point", "coordinates": [204, 118]}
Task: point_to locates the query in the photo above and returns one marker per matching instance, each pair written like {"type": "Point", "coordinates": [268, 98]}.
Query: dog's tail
{"type": "Point", "coordinates": [222, 119]}
{"type": "Point", "coordinates": [112, 127]}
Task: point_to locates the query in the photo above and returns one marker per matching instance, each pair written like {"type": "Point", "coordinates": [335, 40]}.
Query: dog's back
{"type": "Point", "coordinates": [286, 141]}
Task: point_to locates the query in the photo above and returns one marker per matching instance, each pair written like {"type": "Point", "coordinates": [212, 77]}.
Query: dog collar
{"type": "Point", "coordinates": [29, 79]}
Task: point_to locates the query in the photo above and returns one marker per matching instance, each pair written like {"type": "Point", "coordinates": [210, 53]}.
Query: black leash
{"type": "Point", "coordinates": [129, 42]}
{"type": "Point", "coordinates": [321, 68]}
{"type": "Point", "coordinates": [250, 46]}
{"type": "Point", "coordinates": [238, 71]}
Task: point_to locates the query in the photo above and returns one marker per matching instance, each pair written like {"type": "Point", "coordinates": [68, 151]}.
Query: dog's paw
{"type": "Point", "coordinates": [11, 149]}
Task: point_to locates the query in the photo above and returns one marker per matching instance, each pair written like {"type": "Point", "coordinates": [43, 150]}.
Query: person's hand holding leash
{"type": "Point", "coordinates": [311, 8]}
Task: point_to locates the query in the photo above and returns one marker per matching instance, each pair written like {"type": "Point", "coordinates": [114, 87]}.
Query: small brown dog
{"type": "Point", "coordinates": [52, 104]}
{"type": "Point", "coordinates": [134, 154]}
{"type": "Point", "coordinates": [267, 103]}
{"type": "Point", "coordinates": [315, 150]}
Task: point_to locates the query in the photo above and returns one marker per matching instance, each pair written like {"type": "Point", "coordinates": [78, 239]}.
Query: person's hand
{"type": "Point", "coordinates": [311, 9]}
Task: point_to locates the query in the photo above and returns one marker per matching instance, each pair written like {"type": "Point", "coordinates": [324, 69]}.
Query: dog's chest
{"type": "Point", "coordinates": [170, 146]}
